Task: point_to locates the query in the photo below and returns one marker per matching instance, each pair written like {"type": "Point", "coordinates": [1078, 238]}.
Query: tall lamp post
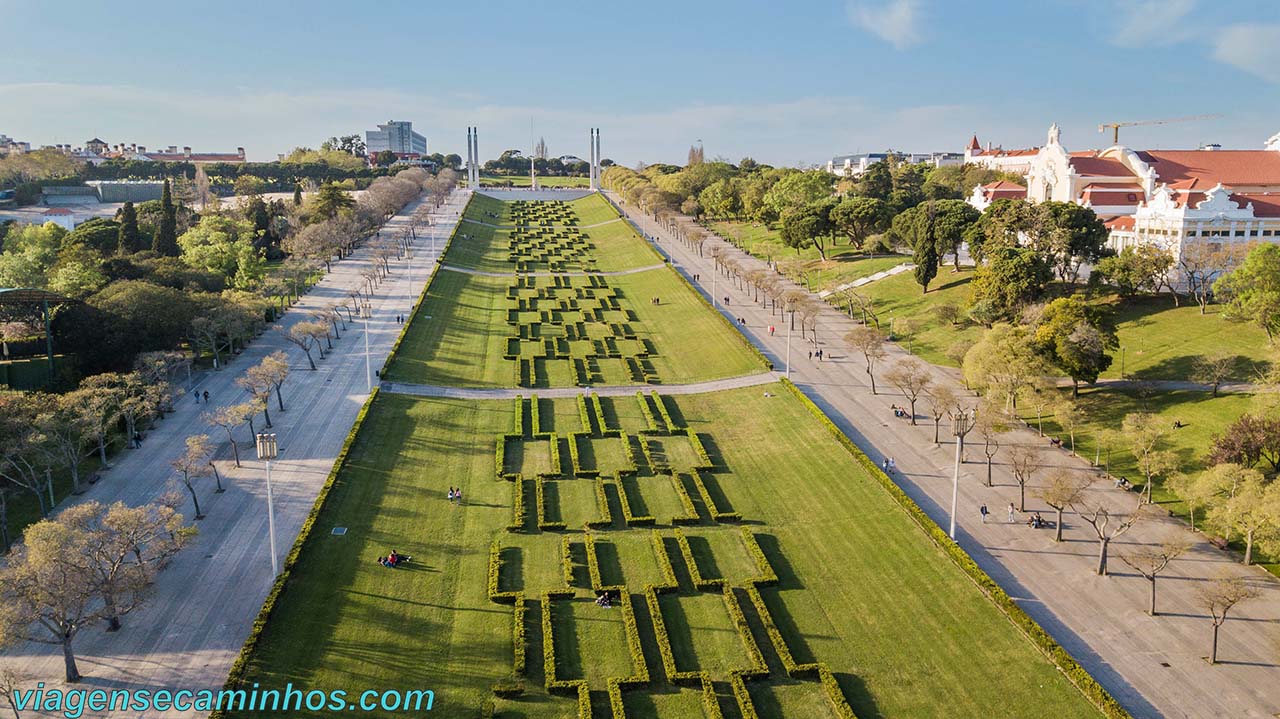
{"type": "Point", "coordinates": [364, 316]}
{"type": "Point", "coordinates": [962, 421]}
{"type": "Point", "coordinates": [267, 451]}
{"type": "Point", "coordinates": [789, 326]}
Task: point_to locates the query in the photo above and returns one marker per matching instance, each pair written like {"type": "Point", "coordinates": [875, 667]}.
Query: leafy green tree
{"type": "Point", "coordinates": [165, 241]}
{"type": "Point", "coordinates": [951, 223]}
{"type": "Point", "coordinates": [1143, 268]}
{"type": "Point", "coordinates": [384, 158]}
{"type": "Point", "coordinates": [925, 257]}
{"type": "Point", "coordinates": [128, 237]}
{"type": "Point", "coordinates": [806, 227]}
{"type": "Point", "coordinates": [876, 182]}
{"type": "Point", "coordinates": [223, 245]}
{"type": "Point", "coordinates": [860, 217]}
{"type": "Point", "coordinates": [331, 200]}
{"type": "Point", "coordinates": [29, 252]}
{"type": "Point", "coordinates": [1252, 290]}
{"type": "Point", "coordinates": [1003, 363]}
{"type": "Point", "coordinates": [721, 199]}
{"type": "Point", "coordinates": [1074, 336]}
{"type": "Point", "coordinates": [1010, 279]}
{"type": "Point", "coordinates": [797, 190]}
{"type": "Point", "coordinates": [908, 187]}
{"type": "Point", "coordinates": [297, 195]}
{"type": "Point", "coordinates": [77, 273]}
{"type": "Point", "coordinates": [101, 235]}
{"type": "Point", "coordinates": [1067, 235]}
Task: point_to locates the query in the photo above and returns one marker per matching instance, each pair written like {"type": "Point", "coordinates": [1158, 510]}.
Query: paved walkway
{"type": "Point", "coordinates": [1153, 665]}
{"type": "Point", "coordinates": [206, 601]}
{"type": "Point", "coordinates": [895, 270]}
{"type": "Point", "coordinates": [433, 390]}
{"type": "Point", "coordinates": [615, 273]}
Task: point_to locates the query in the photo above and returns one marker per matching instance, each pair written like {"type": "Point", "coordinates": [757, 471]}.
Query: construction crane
{"type": "Point", "coordinates": [1115, 126]}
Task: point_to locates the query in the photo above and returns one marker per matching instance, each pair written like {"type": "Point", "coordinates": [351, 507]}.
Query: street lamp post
{"type": "Point", "coordinates": [368, 374]}
{"type": "Point", "coordinates": [962, 421]}
{"type": "Point", "coordinates": [268, 451]}
{"type": "Point", "coordinates": [789, 326]}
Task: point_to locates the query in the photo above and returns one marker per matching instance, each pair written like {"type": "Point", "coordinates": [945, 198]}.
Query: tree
{"type": "Point", "coordinates": [304, 335]}
{"type": "Point", "coordinates": [912, 378]}
{"type": "Point", "coordinates": [1024, 460]}
{"type": "Point", "coordinates": [1141, 268]}
{"type": "Point", "coordinates": [99, 397]}
{"type": "Point", "coordinates": [1097, 515]}
{"type": "Point", "coordinates": [1218, 598]}
{"type": "Point", "coordinates": [47, 595]}
{"type": "Point", "coordinates": [1003, 363]}
{"type": "Point", "coordinates": [876, 182]}
{"type": "Point", "coordinates": [806, 227]}
{"type": "Point", "coordinates": [870, 342]}
{"type": "Point", "coordinates": [942, 399]}
{"type": "Point", "coordinates": [1063, 489]}
{"type": "Point", "coordinates": [65, 431]}
{"type": "Point", "coordinates": [385, 158]}
{"type": "Point", "coordinates": [798, 190]}
{"type": "Point", "coordinates": [1252, 511]}
{"type": "Point", "coordinates": [1214, 369]}
{"type": "Point", "coordinates": [1067, 235]}
{"type": "Point", "coordinates": [1074, 336]}
{"type": "Point", "coordinates": [129, 238]}
{"type": "Point", "coordinates": [192, 465]}
{"type": "Point", "coordinates": [297, 195]}
{"type": "Point", "coordinates": [951, 223]}
{"type": "Point", "coordinates": [1201, 263]}
{"type": "Point", "coordinates": [1147, 434]}
{"type": "Point", "coordinates": [1010, 279]}
{"type": "Point", "coordinates": [1252, 290]}
{"type": "Point", "coordinates": [1150, 561]}
{"type": "Point", "coordinates": [225, 246]}
{"type": "Point", "coordinates": [991, 424]}
{"type": "Point", "coordinates": [925, 246]}
{"type": "Point", "coordinates": [1248, 440]}
{"type": "Point", "coordinates": [277, 366]}
{"type": "Point", "coordinates": [165, 241]}
{"type": "Point", "coordinates": [258, 381]}
{"type": "Point", "coordinates": [331, 199]}
{"type": "Point", "coordinates": [229, 418]}
{"type": "Point", "coordinates": [859, 218]}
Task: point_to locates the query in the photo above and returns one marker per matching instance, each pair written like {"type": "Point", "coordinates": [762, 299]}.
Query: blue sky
{"type": "Point", "coordinates": [784, 82]}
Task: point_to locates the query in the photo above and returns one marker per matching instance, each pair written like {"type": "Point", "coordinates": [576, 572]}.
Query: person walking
{"type": "Point", "coordinates": [983, 511]}
{"type": "Point", "coordinates": [893, 465]}
{"type": "Point", "coordinates": [206, 396]}
{"type": "Point", "coordinates": [1011, 519]}
{"type": "Point", "coordinates": [810, 355]}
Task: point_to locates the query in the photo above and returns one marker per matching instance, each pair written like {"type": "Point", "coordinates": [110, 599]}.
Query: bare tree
{"type": "Point", "coordinates": [1219, 597]}
{"type": "Point", "coordinates": [1064, 489]}
{"type": "Point", "coordinates": [11, 681]}
{"type": "Point", "coordinates": [229, 418]}
{"type": "Point", "coordinates": [1214, 369]}
{"type": "Point", "coordinates": [258, 381]}
{"type": "Point", "coordinates": [98, 398]}
{"type": "Point", "coordinates": [870, 342]}
{"type": "Point", "coordinates": [277, 364]}
{"type": "Point", "coordinates": [191, 465]}
{"type": "Point", "coordinates": [991, 425]}
{"type": "Point", "coordinates": [912, 378]}
{"type": "Point", "coordinates": [304, 335]}
{"type": "Point", "coordinates": [942, 398]}
{"type": "Point", "coordinates": [1106, 526]}
{"type": "Point", "coordinates": [1150, 561]}
{"type": "Point", "coordinates": [1023, 460]}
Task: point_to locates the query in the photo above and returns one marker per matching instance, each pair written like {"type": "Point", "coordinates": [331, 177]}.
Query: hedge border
{"type": "Point", "coordinates": [700, 583]}
{"type": "Point", "coordinates": [1039, 638]}
{"type": "Point", "coordinates": [240, 667]}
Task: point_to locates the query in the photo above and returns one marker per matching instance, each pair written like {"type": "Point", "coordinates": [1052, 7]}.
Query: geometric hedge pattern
{"type": "Point", "coordinates": [620, 468]}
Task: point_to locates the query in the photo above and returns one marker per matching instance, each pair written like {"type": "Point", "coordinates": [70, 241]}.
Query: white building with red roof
{"type": "Point", "coordinates": [1163, 197]}
{"type": "Point", "coordinates": [1016, 162]}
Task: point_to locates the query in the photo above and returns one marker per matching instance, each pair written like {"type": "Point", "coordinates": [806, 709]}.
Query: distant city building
{"type": "Point", "coordinates": [10, 146]}
{"type": "Point", "coordinates": [855, 165]}
{"type": "Point", "coordinates": [1167, 198]}
{"type": "Point", "coordinates": [1016, 162]}
{"type": "Point", "coordinates": [396, 136]}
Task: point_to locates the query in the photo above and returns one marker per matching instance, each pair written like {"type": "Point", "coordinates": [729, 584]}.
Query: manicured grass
{"type": "Point", "coordinates": [861, 587]}
{"type": "Point", "coordinates": [1161, 341]}
{"type": "Point", "coordinates": [899, 298]}
{"type": "Point", "coordinates": [615, 247]}
{"type": "Point", "coordinates": [464, 341]}
{"type": "Point", "coordinates": [844, 263]}
{"type": "Point", "coordinates": [543, 180]}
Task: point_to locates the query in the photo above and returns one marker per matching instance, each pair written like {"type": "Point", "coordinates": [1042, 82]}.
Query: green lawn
{"type": "Point", "coordinates": [1160, 341]}
{"type": "Point", "coordinates": [543, 180]}
{"type": "Point", "coordinates": [614, 246]}
{"type": "Point", "coordinates": [861, 587]}
{"type": "Point", "coordinates": [844, 263]}
{"type": "Point", "coordinates": [898, 299]}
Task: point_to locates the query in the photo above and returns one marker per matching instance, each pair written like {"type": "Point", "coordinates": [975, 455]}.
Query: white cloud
{"type": "Point", "coordinates": [1254, 48]}
{"type": "Point", "coordinates": [1146, 23]}
{"type": "Point", "coordinates": [894, 21]}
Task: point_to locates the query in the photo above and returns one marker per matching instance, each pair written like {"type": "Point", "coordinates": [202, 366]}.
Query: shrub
{"type": "Point", "coordinates": [585, 416]}
{"type": "Point", "coordinates": [775, 637]}
{"type": "Point", "coordinates": [690, 510]}
{"type": "Point", "coordinates": [602, 502]}
{"type": "Point", "coordinates": [662, 409]}
{"type": "Point", "coordinates": [543, 524]}
{"type": "Point", "coordinates": [830, 687]}
{"type": "Point", "coordinates": [500, 457]}
{"type": "Point", "coordinates": [535, 413]}
{"type": "Point", "coordinates": [518, 513]}
{"type": "Point", "coordinates": [556, 469]}
{"type": "Point", "coordinates": [758, 669]}
{"type": "Point", "coordinates": [518, 425]}
{"type": "Point", "coordinates": [716, 513]}
{"type": "Point", "coordinates": [743, 697]}
{"type": "Point", "coordinates": [640, 675]}
{"type": "Point", "coordinates": [651, 422]}
{"type": "Point", "coordinates": [598, 407]}
{"type": "Point", "coordinates": [700, 583]}
{"type": "Point", "coordinates": [703, 458]}
{"type": "Point", "coordinates": [593, 562]}
{"type": "Point", "coordinates": [566, 560]}
{"type": "Point", "coordinates": [664, 565]}
{"type": "Point", "coordinates": [664, 644]}
{"type": "Point", "coordinates": [630, 519]}
{"type": "Point", "coordinates": [630, 452]}
{"type": "Point", "coordinates": [766, 576]}
{"type": "Point", "coordinates": [553, 685]}
{"type": "Point", "coordinates": [1067, 664]}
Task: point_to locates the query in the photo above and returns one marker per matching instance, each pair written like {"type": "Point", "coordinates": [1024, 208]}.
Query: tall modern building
{"type": "Point", "coordinates": [397, 137]}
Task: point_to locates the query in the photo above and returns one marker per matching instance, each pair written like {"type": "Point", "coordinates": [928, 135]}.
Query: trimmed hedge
{"type": "Point", "coordinates": [630, 452]}
{"type": "Point", "coordinates": [651, 422]}
{"type": "Point", "coordinates": [766, 577]}
{"type": "Point", "coordinates": [717, 514]}
{"type": "Point", "coordinates": [602, 501]}
{"type": "Point", "coordinates": [535, 413]}
{"type": "Point", "coordinates": [553, 685]}
{"type": "Point", "coordinates": [585, 416]}
{"type": "Point", "coordinates": [758, 669]}
{"type": "Point", "coordinates": [519, 515]}
{"type": "Point", "coordinates": [675, 676]}
{"type": "Point", "coordinates": [662, 410]}
{"type": "Point", "coordinates": [640, 670]}
{"type": "Point", "coordinates": [593, 562]}
{"type": "Point", "coordinates": [543, 524]}
{"type": "Point", "coordinates": [669, 583]}
{"type": "Point", "coordinates": [702, 584]}
{"type": "Point", "coordinates": [518, 425]}
{"type": "Point", "coordinates": [598, 408]}
{"type": "Point", "coordinates": [632, 520]}
{"type": "Point", "coordinates": [500, 457]}
{"type": "Point", "coordinates": [789, 664]}
{"type": "Point", "coordinates": [690, 509]}
{"type": "Point", "coordinates": [698, 448]}
{"type": "Point", "coordinates": [743, 697]}
{"type": "Point", "coordinates": [1067, 664]}
{"type": "Point", "coordinates": [240, 667]}
{"type": "Point", "coordinates": [557, 470]}
{"type": "Point", "coordinates": [831, 688]}
{"type": "Point", "coordinates": [566, 560]}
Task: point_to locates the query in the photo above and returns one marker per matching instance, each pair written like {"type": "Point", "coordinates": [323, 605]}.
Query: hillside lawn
{"type": "Point", "coordinates": [616, 248]}
{"type": "Point", "coordinates": [861, 587]}
{"type": "Point", "coordinates": [543, 180]}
